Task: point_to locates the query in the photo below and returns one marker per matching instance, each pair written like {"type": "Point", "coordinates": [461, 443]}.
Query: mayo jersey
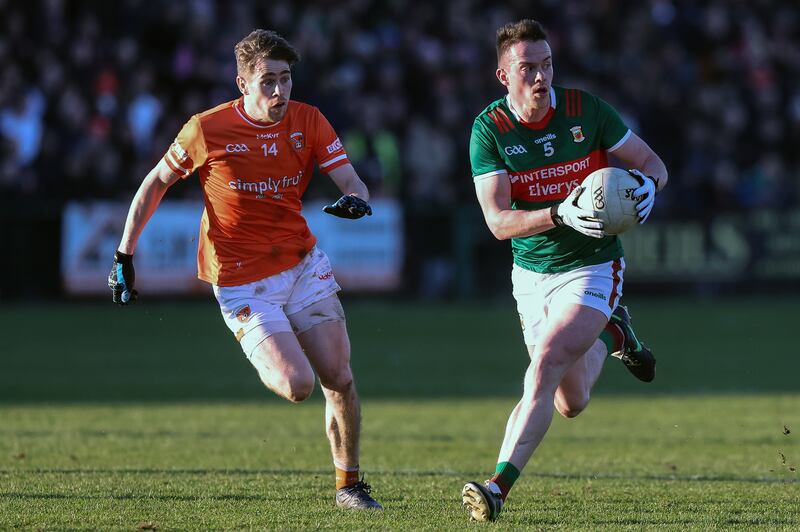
{"type": "Point", "coordinates": [545, 161]}
{"type": "Point", "coordinates": [253, 175]}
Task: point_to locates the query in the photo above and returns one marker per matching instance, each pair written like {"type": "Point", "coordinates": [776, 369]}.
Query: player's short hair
{"type": "Point", "coordinates": [514, 32]}
{"type": "Point", "coordinates": [263, 44]}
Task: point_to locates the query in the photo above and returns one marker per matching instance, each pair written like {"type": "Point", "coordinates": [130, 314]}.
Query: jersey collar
{"type": "Point", "coordinates": [541, 124]}
{"type": "Point", "coordinates": [238, 106]}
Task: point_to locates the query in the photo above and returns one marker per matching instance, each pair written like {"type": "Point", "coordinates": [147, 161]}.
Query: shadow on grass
{"type": "Point", "coordinates": [449, 473]}
{"type": "Point", "coordinates": [76, 496]}
{"type": "Point", "coordinates": [182, 352]}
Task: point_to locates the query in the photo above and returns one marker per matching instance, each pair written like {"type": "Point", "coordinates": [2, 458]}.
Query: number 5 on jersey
{"type": "Point", "coordinates": [270, 149]}
{"type": "Point", "coordinates": [548, 148]}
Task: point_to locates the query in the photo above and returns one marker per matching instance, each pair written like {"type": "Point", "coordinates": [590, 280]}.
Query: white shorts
{"type": "Point", "coordinates": [598, 286]}
{"type": "Point", "coordinates": [256, 310]}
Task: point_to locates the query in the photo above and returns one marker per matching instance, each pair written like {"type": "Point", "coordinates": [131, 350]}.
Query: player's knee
{"type": "Point", "coordinates": [571, 409]}
{"type": "Point", "coordinates": [571, 403]}
{"type": "Point", "coordinates": [297, 388]}
{"type": "Point", "coordinates": [299, 391]}
{"type": "Point", "coordinates": [338, 381]}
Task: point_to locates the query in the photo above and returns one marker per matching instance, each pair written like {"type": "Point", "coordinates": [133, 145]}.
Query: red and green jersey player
{"type": "Point", "coordinates": [544, 162]}
{"type": "Point", "coordinates": [530, 151]}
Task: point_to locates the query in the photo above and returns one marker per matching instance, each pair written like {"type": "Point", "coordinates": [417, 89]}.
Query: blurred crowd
{"type": "Point", "coordinates": [92, 93]}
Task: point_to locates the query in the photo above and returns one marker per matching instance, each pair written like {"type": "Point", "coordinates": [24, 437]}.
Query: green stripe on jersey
{"type": "Point", "coordinates": [544, 164]}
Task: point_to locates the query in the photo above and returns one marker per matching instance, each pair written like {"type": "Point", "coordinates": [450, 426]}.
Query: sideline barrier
{"type": "Point", "coordinates": [367, 254]}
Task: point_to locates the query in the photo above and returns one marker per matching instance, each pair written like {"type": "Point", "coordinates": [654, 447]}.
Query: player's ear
{"type": "Point", "coordinates": [502, 76]}
{"type": "Point", "coordinates": [242, 84]}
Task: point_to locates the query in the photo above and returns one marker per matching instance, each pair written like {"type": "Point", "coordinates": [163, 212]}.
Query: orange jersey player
{"type": "Point", "coordinates": [253, 175]}
{"type": "Point", "coordinates": [277, 294]}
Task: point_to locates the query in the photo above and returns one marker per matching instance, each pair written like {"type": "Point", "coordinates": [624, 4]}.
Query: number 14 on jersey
{"type": "Point", "coordinates": [270, 149]}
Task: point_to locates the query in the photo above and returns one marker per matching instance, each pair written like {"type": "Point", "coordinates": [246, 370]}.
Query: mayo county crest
{"type": "Point", "coordinates": [577, 134]}
{"type": "Point", "coordinates": [297, 139]}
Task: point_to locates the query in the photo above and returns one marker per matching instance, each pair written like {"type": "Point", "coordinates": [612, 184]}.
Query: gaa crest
{"type": "Point", "coordinates": [577, 134]}
{"type": "Point", "coordinates": [297, 140]}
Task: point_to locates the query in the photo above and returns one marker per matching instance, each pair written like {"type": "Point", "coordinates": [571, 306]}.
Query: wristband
{"type": "Point", "coordinates": [558, 221]}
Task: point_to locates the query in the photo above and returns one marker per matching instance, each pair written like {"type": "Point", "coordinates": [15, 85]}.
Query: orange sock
{"type": "Point", "coordinates": [345, 477]}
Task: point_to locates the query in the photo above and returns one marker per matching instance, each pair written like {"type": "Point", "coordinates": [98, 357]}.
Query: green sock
{"type": "Point", "coordinates": [505, 474]}
{"type": "Point", "coordinates": [612, 337]}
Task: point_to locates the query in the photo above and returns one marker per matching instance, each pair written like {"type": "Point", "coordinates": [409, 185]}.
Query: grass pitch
{"type": "Point", "coordinates": [170, 429]}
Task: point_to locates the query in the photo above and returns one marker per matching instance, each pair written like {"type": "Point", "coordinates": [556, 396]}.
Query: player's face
{"type": "Point", "coordinates": [527, 70]}
{"type": "Point", "coordinates": [267, 89]}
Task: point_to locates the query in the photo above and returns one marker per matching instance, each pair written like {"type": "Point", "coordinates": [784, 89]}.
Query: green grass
{"type": "Point", "coordinates": [150, 417]}
{"type": "Point", "coordinates": [694, 462]}
{"type": "Point", "coordinates": [158, 351]}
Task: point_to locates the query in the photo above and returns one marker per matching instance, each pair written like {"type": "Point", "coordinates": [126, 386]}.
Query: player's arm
{"type": "Point", "coordinates": [645, 164]}
{"type": "Point", "coordinates": [349, 183]}
{"type": "Point", "coordinates": [145, 203]}
{"type": "Point", "coordinates": [636, 154]}
{"type": "Point", "coordinates": [494, 196]}
{"type": "Point", "coordinates": [353, 203]}
{"type": "Point", "coordinates": [493, 188]}
{"type": "Point", "coordinates": [122, 277]}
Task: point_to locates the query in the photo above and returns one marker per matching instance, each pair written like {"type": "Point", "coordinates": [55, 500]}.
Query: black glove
{"type": "Point", "coordinates": [121, 279]}
{"type": "Point", "coordinates": [351, 207]}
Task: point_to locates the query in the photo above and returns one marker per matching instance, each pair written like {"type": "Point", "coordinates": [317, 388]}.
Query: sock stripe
{"type": "Point", "coordinates": [613, 337]}
{"type": "Point", "coordinates": [505, 475]}
{"type": "Point", "coordinates": [345, 477]}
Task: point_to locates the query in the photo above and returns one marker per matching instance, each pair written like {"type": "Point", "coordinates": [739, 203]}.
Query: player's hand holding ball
{"type": "Point", "coordinates": [121, 279]}
{"type": "Point", "coordinates": [351, 207]}
{"type": "Point", "coordinates": [647, 193]}
{"type": "Point", "coordinates": [583, 220]}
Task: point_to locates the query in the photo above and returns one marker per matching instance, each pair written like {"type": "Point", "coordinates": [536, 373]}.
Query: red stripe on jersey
{"type": "Point", "coordinates": [497, 122]}
{"type": "Point", "coordinates": [615, 268]}
{"type": "Point", "coordinates": [567, 103]}
{"type": "Point", "coordinates": [574, 97]}
{"type": "Point", "coordinates": [504, 116]}
{"type": "Point", "coordinates": [571, 108]}
{"type": "Point", "coordinates": [578, 100]}
{"type": "Point", "coordinates": [503, 125]}
{"type": "Point", "coordinates": [489, 114]}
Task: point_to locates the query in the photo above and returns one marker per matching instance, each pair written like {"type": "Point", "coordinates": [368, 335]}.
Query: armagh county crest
{"type": "Point", "coordinates": [297, 139]}
{"type": "Point", "coordinates": [243, 314]}
{"type": "Point", "coordinates": [577, 134]}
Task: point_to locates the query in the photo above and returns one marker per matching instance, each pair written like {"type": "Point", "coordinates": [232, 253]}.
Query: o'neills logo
{"type": "Point", "coordinates": [598, 295]}
{"type": "Point", "coordinates": [272, 185]}
{"type": "Point", "coordinates": [243, 314]}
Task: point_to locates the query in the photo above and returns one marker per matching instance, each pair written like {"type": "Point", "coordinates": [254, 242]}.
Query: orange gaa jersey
{"type": "Point", "coordinates": [253, 175]}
